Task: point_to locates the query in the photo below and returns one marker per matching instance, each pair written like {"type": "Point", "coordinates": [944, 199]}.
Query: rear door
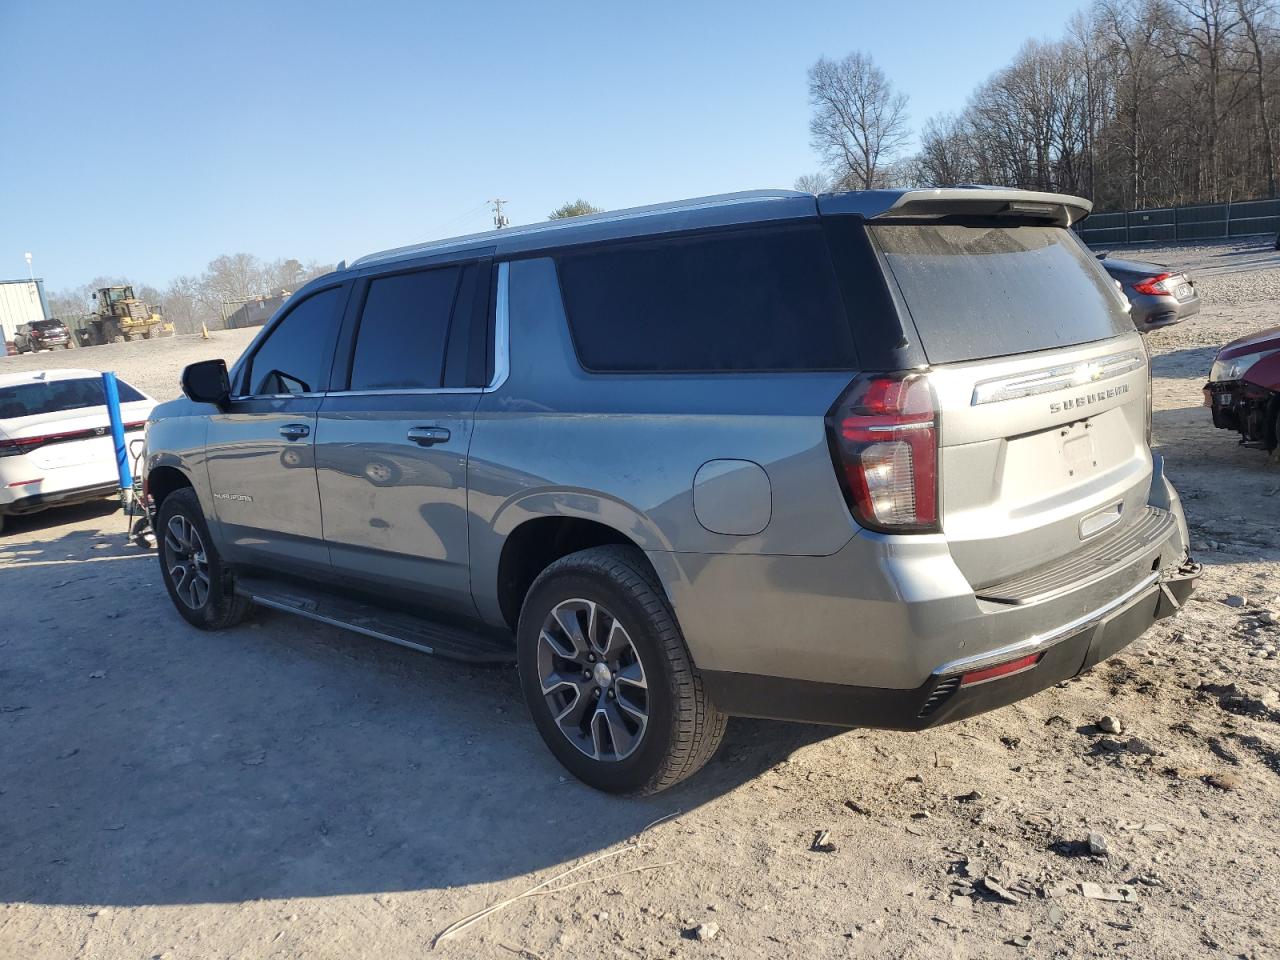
{"type": "Point", "coordinates": [1041, 384]}
{"type": "Point", "coordinates": [261, 449]}
{"type": "Point", "coordinates": [393, 437]}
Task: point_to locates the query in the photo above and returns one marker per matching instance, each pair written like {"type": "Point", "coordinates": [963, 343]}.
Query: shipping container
{"type": "Point", "coordinates": [21, 301]}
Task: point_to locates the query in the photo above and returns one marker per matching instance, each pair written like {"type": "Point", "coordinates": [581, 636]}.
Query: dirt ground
{"type": "Point", "coordinates": [289, 790]}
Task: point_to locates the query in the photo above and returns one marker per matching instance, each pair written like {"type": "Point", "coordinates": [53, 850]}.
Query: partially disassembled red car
{"type": "Point", "coordinates": [1244, 388]}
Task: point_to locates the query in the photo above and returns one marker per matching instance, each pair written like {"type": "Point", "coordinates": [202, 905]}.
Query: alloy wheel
{"type": "Point", "coordinates": [186, 561]}
{"type": "Point", "coordinates": [592, 680]}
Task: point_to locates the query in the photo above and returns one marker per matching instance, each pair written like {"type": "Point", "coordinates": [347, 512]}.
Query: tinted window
{"type": "Point", "coordinates": [296, 355]}
{"type": "Point", "coordinates": [742, 301]}
{"type": "Point", "coordinates": [55, 396]}
{"type": "Point", "coordinates": [977, 292]}
{"type": "Point", "coordinates": [403, 330]}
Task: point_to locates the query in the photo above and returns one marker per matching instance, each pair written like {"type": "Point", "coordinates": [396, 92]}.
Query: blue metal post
{"type": "Point", "coordinates": [117, 433]}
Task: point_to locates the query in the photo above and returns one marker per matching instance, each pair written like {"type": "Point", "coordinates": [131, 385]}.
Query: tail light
{"type": "Point", "coordinates": [883, 434]}
{"type": "Point", "coordinates": [17, 445]}
{"type": "Point", "coordinates": [1154, 286]}
{"type": "Point", "coordinates": [1006, 669]}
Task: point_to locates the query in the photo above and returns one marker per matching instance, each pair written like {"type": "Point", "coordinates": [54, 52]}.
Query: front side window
{"type": "Point", "coordinates": [750, 300]}
{"type": "Point", "coordinates": [295, 356]}
{"type": "Point", "coordinates": [404, 329]}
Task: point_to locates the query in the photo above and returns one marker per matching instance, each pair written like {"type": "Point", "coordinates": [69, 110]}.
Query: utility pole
{"type": "Point", "coordinates": [499, 218]}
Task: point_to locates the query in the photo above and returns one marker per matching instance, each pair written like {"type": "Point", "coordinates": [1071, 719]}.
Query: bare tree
{"type": "Point", "coordinates": [1206, 29]}
{"type": "Point", "coordinates": [946, 153]}
{"type": "Point", "coordinates": [814, 183]}
{"type": "Point", "coordinates": [1257, 17]}
{"type": "Point", "coordinates": [859, 123]}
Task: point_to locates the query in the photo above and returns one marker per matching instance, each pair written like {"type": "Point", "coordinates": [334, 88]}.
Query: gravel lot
{"type": "Point", "coordinates": [153, 366]}
{"type": "Point", "coordinates": [289, 790]}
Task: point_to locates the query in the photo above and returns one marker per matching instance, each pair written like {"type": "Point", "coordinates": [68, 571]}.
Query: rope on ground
{"type": "Point", "coordinates": [542, 888]}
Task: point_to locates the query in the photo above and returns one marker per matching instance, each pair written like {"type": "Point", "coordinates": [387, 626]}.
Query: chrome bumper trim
{"type": "Point", "coordinates": [1043, 641]}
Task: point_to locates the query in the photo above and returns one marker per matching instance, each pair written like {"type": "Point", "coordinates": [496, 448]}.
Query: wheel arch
{"type": "Point", "coordinates": [536, 542]}
{"type": "Point", "coordinates": [163, 479]}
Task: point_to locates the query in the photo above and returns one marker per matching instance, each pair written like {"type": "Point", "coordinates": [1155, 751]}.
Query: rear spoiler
{"type": "Point", "coordinates": [1058, 209]}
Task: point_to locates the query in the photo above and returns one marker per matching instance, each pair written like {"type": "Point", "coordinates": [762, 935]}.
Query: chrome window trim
{"type": "Point", "coordinates": [1061, 377]}
{"type": "Point", "coordinates": [406, 392]}
{"type": "Point", "coordinates": [274, 396]}
{"type": "Point", "coordinates": [501, 329]}
{"type": "Point", "coordinates": [501, 360]}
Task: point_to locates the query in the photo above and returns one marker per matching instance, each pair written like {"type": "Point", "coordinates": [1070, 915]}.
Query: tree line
{"type": "Point", "coordinates": [1140, 103]}
{"type": "Point", "coordinates": [191, 300]}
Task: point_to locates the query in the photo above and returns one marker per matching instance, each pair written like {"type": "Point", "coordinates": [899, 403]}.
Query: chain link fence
{"type": "Point", "coordinates": [1206, 221]}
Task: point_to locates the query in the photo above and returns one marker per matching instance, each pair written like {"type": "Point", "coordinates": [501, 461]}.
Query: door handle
{"type": "Point", "coordinates": [428, 436]}
{"type": "Point", "coordinates": [295, 431]}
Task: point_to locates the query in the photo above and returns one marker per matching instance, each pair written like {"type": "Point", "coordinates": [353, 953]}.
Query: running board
{"type": "Point", "coordinates": [405, 629]}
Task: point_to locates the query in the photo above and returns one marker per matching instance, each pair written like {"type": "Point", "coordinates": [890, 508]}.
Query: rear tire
{"type": "Point", "coordinates": [201, 587]}
{"type": "Point", "coordinates": [608, 677]}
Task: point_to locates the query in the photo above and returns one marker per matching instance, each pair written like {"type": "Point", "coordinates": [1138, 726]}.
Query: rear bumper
{"type": "Point", "coordinates": [1064, 653]}
{"type": "Point", "coordinates": [1152, 313]}
{"type": "Point", "coordinates": [874, 633]}
{"type": "Point", "coordinates": [58, 498]}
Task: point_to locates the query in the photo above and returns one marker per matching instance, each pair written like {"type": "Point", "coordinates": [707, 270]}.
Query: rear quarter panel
{"type": "Point", "coordinates": [623, 450]}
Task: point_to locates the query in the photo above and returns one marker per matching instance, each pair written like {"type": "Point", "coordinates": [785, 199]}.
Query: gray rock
{"type": "Point", "coordinates": [1235, 600]}
{"type": "Point", "coordinates": [1098, 845]}
{"type": "Point", "coordinates": [706, 931]}
{"type": "Point", "coordinates": [1100, 891]}
{"type": "Point", "coordinates": [993, 886]}
{"type": "Point", "coordinates": [1110, 724]}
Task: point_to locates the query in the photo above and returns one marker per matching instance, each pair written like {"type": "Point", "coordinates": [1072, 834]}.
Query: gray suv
{"type": "Point", "coordinates": [876, 459]}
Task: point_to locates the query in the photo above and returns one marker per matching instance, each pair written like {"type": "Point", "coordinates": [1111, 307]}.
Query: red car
{"type": "Point", "coordinates": [1243, 391]}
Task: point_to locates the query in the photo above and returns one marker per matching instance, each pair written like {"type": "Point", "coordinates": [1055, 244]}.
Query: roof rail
{"type": "Point", "coordinates": [612, 216]}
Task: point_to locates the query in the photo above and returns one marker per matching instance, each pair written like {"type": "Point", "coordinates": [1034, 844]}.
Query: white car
{"type": "Point", "coordinates": [55, 438]}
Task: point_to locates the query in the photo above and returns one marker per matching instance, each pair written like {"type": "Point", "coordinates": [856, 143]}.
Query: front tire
{"type": "Point", "coordinates": [608, 677]}
{"type": "Point", "coordinates": [201, 587]}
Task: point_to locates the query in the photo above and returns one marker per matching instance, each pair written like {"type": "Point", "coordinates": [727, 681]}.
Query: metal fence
{"type": "Point", "coordinates": [1207, 221]}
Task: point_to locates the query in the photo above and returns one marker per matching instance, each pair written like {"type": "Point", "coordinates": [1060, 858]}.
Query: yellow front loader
{"type": "Point", "coordinates": [120, 317]}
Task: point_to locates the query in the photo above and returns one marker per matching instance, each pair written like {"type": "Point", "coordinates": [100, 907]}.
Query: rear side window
{"type": "Point", "coordinates": [976, 292]}
{"type": "Point", "coordinates": [296, 355]}
{"type": "Point", "coordinates": [755, 300]}
{"type": "Point", "coordinates": [404, 330]}
{"type": "Point", "coordinates": [57, 396]}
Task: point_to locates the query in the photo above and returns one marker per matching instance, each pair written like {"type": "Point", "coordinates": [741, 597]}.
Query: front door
{"type": "Point", "coordinates": [391, 449]}
{"type": "Point", "coordinates": [261, 450]}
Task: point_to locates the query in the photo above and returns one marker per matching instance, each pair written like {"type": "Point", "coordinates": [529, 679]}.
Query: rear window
{"type": "Point", "coordinates": [978, 292]}
{"type": "Point", "coordinates": [56, 396]}
{"type": "Point", "coordinates": [755, 300]}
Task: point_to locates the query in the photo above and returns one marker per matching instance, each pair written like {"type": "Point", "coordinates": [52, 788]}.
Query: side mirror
{"type": "Point", "coordinates": [207, 382]}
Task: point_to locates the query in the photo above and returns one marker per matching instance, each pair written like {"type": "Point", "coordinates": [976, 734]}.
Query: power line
{"type": "Point", "coordinates": [500, 219]}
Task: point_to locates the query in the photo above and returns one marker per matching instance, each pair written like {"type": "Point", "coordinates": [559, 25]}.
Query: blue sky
{"type": "Point", "coordinates": [144, 139]}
